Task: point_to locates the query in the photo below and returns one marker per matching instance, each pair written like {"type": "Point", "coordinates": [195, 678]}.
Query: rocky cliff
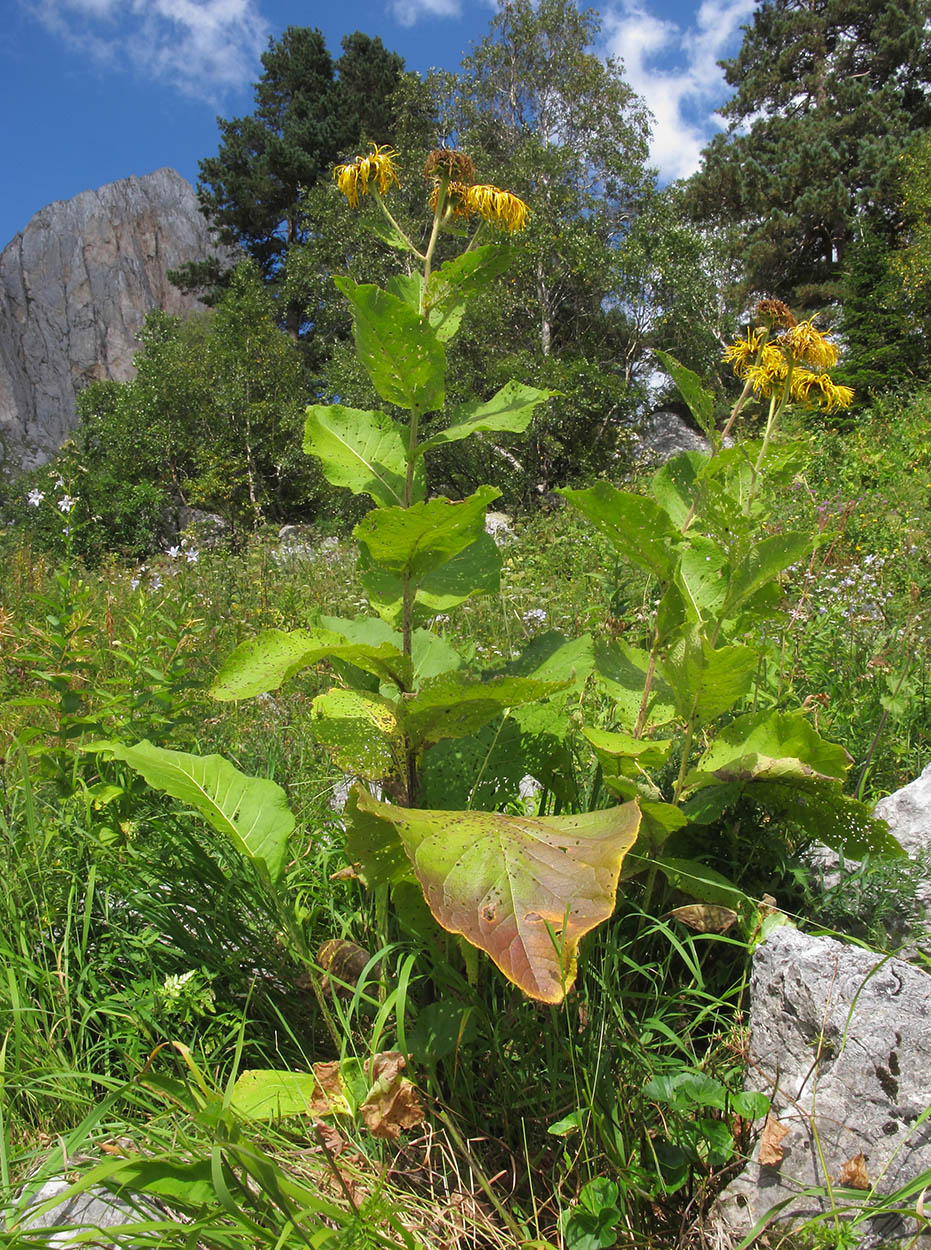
{"type": "Point", "coordinates": [75, 287]}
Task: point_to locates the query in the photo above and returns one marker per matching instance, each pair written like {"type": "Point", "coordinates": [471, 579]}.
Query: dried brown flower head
{"type": "Point", "coordinates": [773, 312]}
{"type": "Point", "coordinates": [451, 162]}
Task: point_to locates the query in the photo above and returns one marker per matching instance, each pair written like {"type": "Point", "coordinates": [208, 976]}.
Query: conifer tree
{"type": "Point", "coordinates": [827, 92]}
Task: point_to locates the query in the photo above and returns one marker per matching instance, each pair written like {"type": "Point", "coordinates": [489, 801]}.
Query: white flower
{"type": "Point", "coordinates": [535, 616]}
{"type": "Point", "coordinates": [66, 503]}
{"type": "Point", "coordinates": [192, 556]}
{"type": "Point", "coordinates": [174, 552]}
{"type": "Point", "coordinates": [134, 583]}
{"type": "Point", "coordinates": [35, 497]}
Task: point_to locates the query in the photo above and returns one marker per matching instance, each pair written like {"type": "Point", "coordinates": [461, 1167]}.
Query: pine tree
{"type": "Point", "coordinates": [827, 93]}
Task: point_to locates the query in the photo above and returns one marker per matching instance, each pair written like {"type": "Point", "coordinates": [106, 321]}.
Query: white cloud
{"type": "Point", "coordinates": [408, 12]}
{"type": "Point", "coordinates": [682, 100]}
{"type": "Point", "coordinates": [201, 47]}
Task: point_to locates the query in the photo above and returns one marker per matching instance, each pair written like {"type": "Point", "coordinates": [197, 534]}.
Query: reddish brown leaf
{"type": "Point", "coordinates": [392, 1105]}
{"type": "Point", "coordinates": [771, 1152]}
{"type": "Point", "coordinates": [853, 1173]}
{"type": "Point", "coordinates": [705, 917]}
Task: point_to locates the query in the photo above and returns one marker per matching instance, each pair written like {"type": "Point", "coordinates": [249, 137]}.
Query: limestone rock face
{"type": "Point", "coordinates": [840, 1040]}
{"type": "Point", "coordinates": [75, 286]}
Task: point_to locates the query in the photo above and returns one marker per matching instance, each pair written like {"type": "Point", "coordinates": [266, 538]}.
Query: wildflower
{"type": "Point", "coordinates": [535, 616]}
{"type": "Point", "coordinates": [809, 387]}
{"type": "Point", "coordinates": [500, 208]}
{"type": "Point", "coordinates": [354, 177]}
{"type": "Point", "coordinates": [173, 553]}
{"type": "Point", "coordinates": [35, 497]}
{"type": "Point", "coordinates": [192, 556]}
{"type": "Point", "coordinates": [66, 503]}
{"type": "Point", "coordinates": [809, 346]}
{"type": "Point", "coordinates": [457, 199]}
{"type": "Point", "coordinates": [744, 351]}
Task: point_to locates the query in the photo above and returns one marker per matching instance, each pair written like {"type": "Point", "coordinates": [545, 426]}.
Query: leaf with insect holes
{"type": "Point", "coordinates": [397, 346]}
{"type": "Point", "coordinates": [525, 890]}
{"type": "Point", "coordinates": [363, 451]}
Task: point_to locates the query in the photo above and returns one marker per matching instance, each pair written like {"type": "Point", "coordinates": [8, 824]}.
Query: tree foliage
{"type": "Point", "coordinates": [826, 94]}
{"type": "Point", "coordinates": [211, 421]}
{"type": "Point", "coordinates": [309, 109]}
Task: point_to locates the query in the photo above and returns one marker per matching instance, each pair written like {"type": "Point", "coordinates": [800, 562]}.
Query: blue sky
{"type": "Point", "coordinates": [95, 90]}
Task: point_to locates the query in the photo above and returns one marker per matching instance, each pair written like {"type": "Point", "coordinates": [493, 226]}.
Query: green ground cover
{"type": "Point", "coordinates": [144, 963]}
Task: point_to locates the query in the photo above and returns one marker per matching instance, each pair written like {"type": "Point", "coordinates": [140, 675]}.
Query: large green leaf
{"type": "Point", "coordinates": [707, 681]}
{"type": "Point", "coordinates": [452, 284]}
{"type": "Point", "coordinates": [676, 485]}
{"type": "Point", "coordinates": [827, 815]}
{"type": "Point", "coordinates": [252, 812]}
{"type": "Point", "coordinates": [268, 660]}
{"type": "Point", "coordinates": [550, 657]}
{"type": "Point", "coordinates": [636, 526]}
{"type": "Point", "coordinates": [361, 732]}
{"type": "Point", "coordinates": [622, 671]}
{"type": "Point", "coordinates": [453, 704]}
{"type": "Point", "coordinates": [419, 539]}
{"type": "Point", "coordinates": [400, 352]}
{"type": "Point", "coordinates": [509, 411]}
{"type": "Point", "coordinates": [762, 564]}
{"type": "Point", "coordinates": [700, 401]}
{"type": "Point", "coordinates": [524, 890]}
{"type": "Point", "coordinates": [622, 756]}
{"type": "Point", "coordinates": [772, 744]}
{"type": "Point", "coordinates": [363, 451]}
{"type": "Point", "coordinates": [701, 578]}
{"type": "Point", "coordinates": [475, 570]}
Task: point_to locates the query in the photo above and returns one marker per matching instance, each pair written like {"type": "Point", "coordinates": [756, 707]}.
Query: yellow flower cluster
{"type": "Point", "coordinates": [499, 208]}
{"type": "Point", "coordinates": [378, 167]}
{"type": "Point", "coordinates": [799, 357]}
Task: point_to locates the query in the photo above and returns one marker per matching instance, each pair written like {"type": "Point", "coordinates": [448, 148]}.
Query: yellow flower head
{"type": "Point", "coordinates": [809, 346]}
{"type": "Point", "coordinates": [457, 199]}
{"type": "Point", "coordinates": [808, 387]}
{"type": "Point", "coordinates": [744, 351]}
{"type": "Point", "coordinates": [501, 208]}
{"type": "Point", "coordinates": [378, 167]}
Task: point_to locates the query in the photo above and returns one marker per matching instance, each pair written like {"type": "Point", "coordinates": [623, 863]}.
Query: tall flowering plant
{"type": "Point", "coordinates": [676, 751]}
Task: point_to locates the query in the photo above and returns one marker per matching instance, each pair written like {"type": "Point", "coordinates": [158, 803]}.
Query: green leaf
{"type": "Point", "coordinates": [509, 411]}
{"type": "Point", "coordinates": [400, 352]}
{"type": "Point", "coordinates": [622, 755]}
{"type": "Point", "coordinates": [523, 890]}
{"type": "Point", "coordinates": [383, 229]}
{"type": "Point", "coordinates": [550, 657]}
{"type": "Point", "coordinates": [252, 812]}
{"type": "Point", "coordinates": [622, 670]}
{"type": "Point", "coordinates": [700, 578]}
{"type": "Point", "coordinates": [636, 526]}
{"type": "Point", "coordinates": [826, 814]}
{"type": "Point", "coordinates": [476, 570]}
{"type": "Point", "coordinates": [361, 732]}
{"type": "Point", "coordinates": [676, 485]}
{"type": "Point", "coordinates": [769, 744]}
{"type": "Point", "coordinates": [267, 1094]}
{"type": "Point", "coordinates": [452, 284]}
{"type": "Point", "coordinates": [700, 401]}
{"type": "Point", "coordinates": [419, 539]}
{"type": "Point", "coordinates": [363, 451]}
{"type": "Point", "coordinates": [373, 846]}
{"type": "Point", "coordinates": [707, 681]}
{"type": "Point", "coordinates": [407, 287]}
{"type": "Point", "coordinates": [762, 564]}
{"type": "Point", "coordinates": [700, 882]}
{"type": "Point", "coordinates": [265, 662]}
{"type": "Point", "coordinates": [454, 705]}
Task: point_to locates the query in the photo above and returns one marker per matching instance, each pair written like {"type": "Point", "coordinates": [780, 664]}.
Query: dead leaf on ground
{"type": "Point", "coordinates": [345, 962]}
{"type": "Point", "coordinates": [853, 1173]}
{"type": "Point", "coordinates": [771, 1152]}
{"type": "Point", "coordinates": [392, 1104]}
{"type": "Point", "coordinates": [705, 917]}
